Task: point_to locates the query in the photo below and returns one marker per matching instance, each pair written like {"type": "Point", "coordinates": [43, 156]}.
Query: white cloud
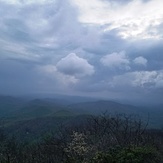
{"type": "Point", "coordinates": [116, 60]}
{"type": "Point", "coordinates": [140, 61]}
{"type": "Point", "coordinates": [139, 79]}
{"type": "Point", "coordinates": [145, 78]}
{"type": "Point", "coordinates": [74, 66]}
{"type": "Point", "coordinates": [135, 19]}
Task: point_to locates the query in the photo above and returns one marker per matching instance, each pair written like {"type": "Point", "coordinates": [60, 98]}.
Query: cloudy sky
{"type": "Point", "coordinates": [105, 48]}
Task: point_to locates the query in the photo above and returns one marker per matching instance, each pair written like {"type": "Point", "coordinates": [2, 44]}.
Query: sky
{"type": "Point", "coordinates": [103, 48]}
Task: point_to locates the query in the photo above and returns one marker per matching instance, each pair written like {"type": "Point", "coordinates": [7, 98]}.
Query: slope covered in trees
{"type": "Point", "coordinates": [97, 139]}
{"type": "Point", "coordinates": [48, 131]}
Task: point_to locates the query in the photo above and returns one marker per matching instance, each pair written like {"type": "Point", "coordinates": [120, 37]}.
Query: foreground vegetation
{"type": "Point", "coordinates": [96, 139]}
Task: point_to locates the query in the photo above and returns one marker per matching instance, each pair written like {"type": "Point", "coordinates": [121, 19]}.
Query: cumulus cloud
{"type": "Point", "coordinates": [116, 60]}
{"type": "Point", "coordinates": [75, 66]}
{"type": "Point", "coordinates": [140, 61]}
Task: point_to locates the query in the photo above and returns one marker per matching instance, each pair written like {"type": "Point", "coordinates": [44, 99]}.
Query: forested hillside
{"type": "Point", "coordinates": [95, 139]}
{"type": "Point", "coordinates": [48, 131]}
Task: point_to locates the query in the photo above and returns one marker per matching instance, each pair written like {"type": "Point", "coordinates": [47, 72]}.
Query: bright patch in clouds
{"type": "Point", "coordinates": [136, 19]}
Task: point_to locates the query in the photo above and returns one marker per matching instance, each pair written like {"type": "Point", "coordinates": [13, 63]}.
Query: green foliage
{"type": "Point", "coordinates": [102, 158]}
{"type": "Point", "coordinates": [102, 139]}
{"type": "Point", "coordinates": [129, 155]}
{"type": "Point", "coordinates": [139, 155]}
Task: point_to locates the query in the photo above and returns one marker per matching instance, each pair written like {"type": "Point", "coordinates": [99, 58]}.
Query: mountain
{"type": "Point", "coordinates": [102, 106]}
{"type": "Point", "coordinates": [151, 115]}
{"type": "Point", "coordinates": [37, 108]}
{"type": "Point", "coordinates": [8, 104]}
{"type": "Point", "coordinates": [15, 109]}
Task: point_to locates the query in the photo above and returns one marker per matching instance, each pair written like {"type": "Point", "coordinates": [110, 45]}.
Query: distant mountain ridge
{"type": "Point", "coordinates": [12, 106]}
{"type": "Point", "coordinates": [100, 106]}
{"type": "Point", "coordinates": [8, 104]}
{"type": "Point", "coordinates": [16, 109]}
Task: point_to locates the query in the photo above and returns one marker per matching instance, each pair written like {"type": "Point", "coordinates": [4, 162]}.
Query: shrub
{"type": "Point", "coordinates": [77, 150]}
{"type": "Point", "coordinates": [129, 155]}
